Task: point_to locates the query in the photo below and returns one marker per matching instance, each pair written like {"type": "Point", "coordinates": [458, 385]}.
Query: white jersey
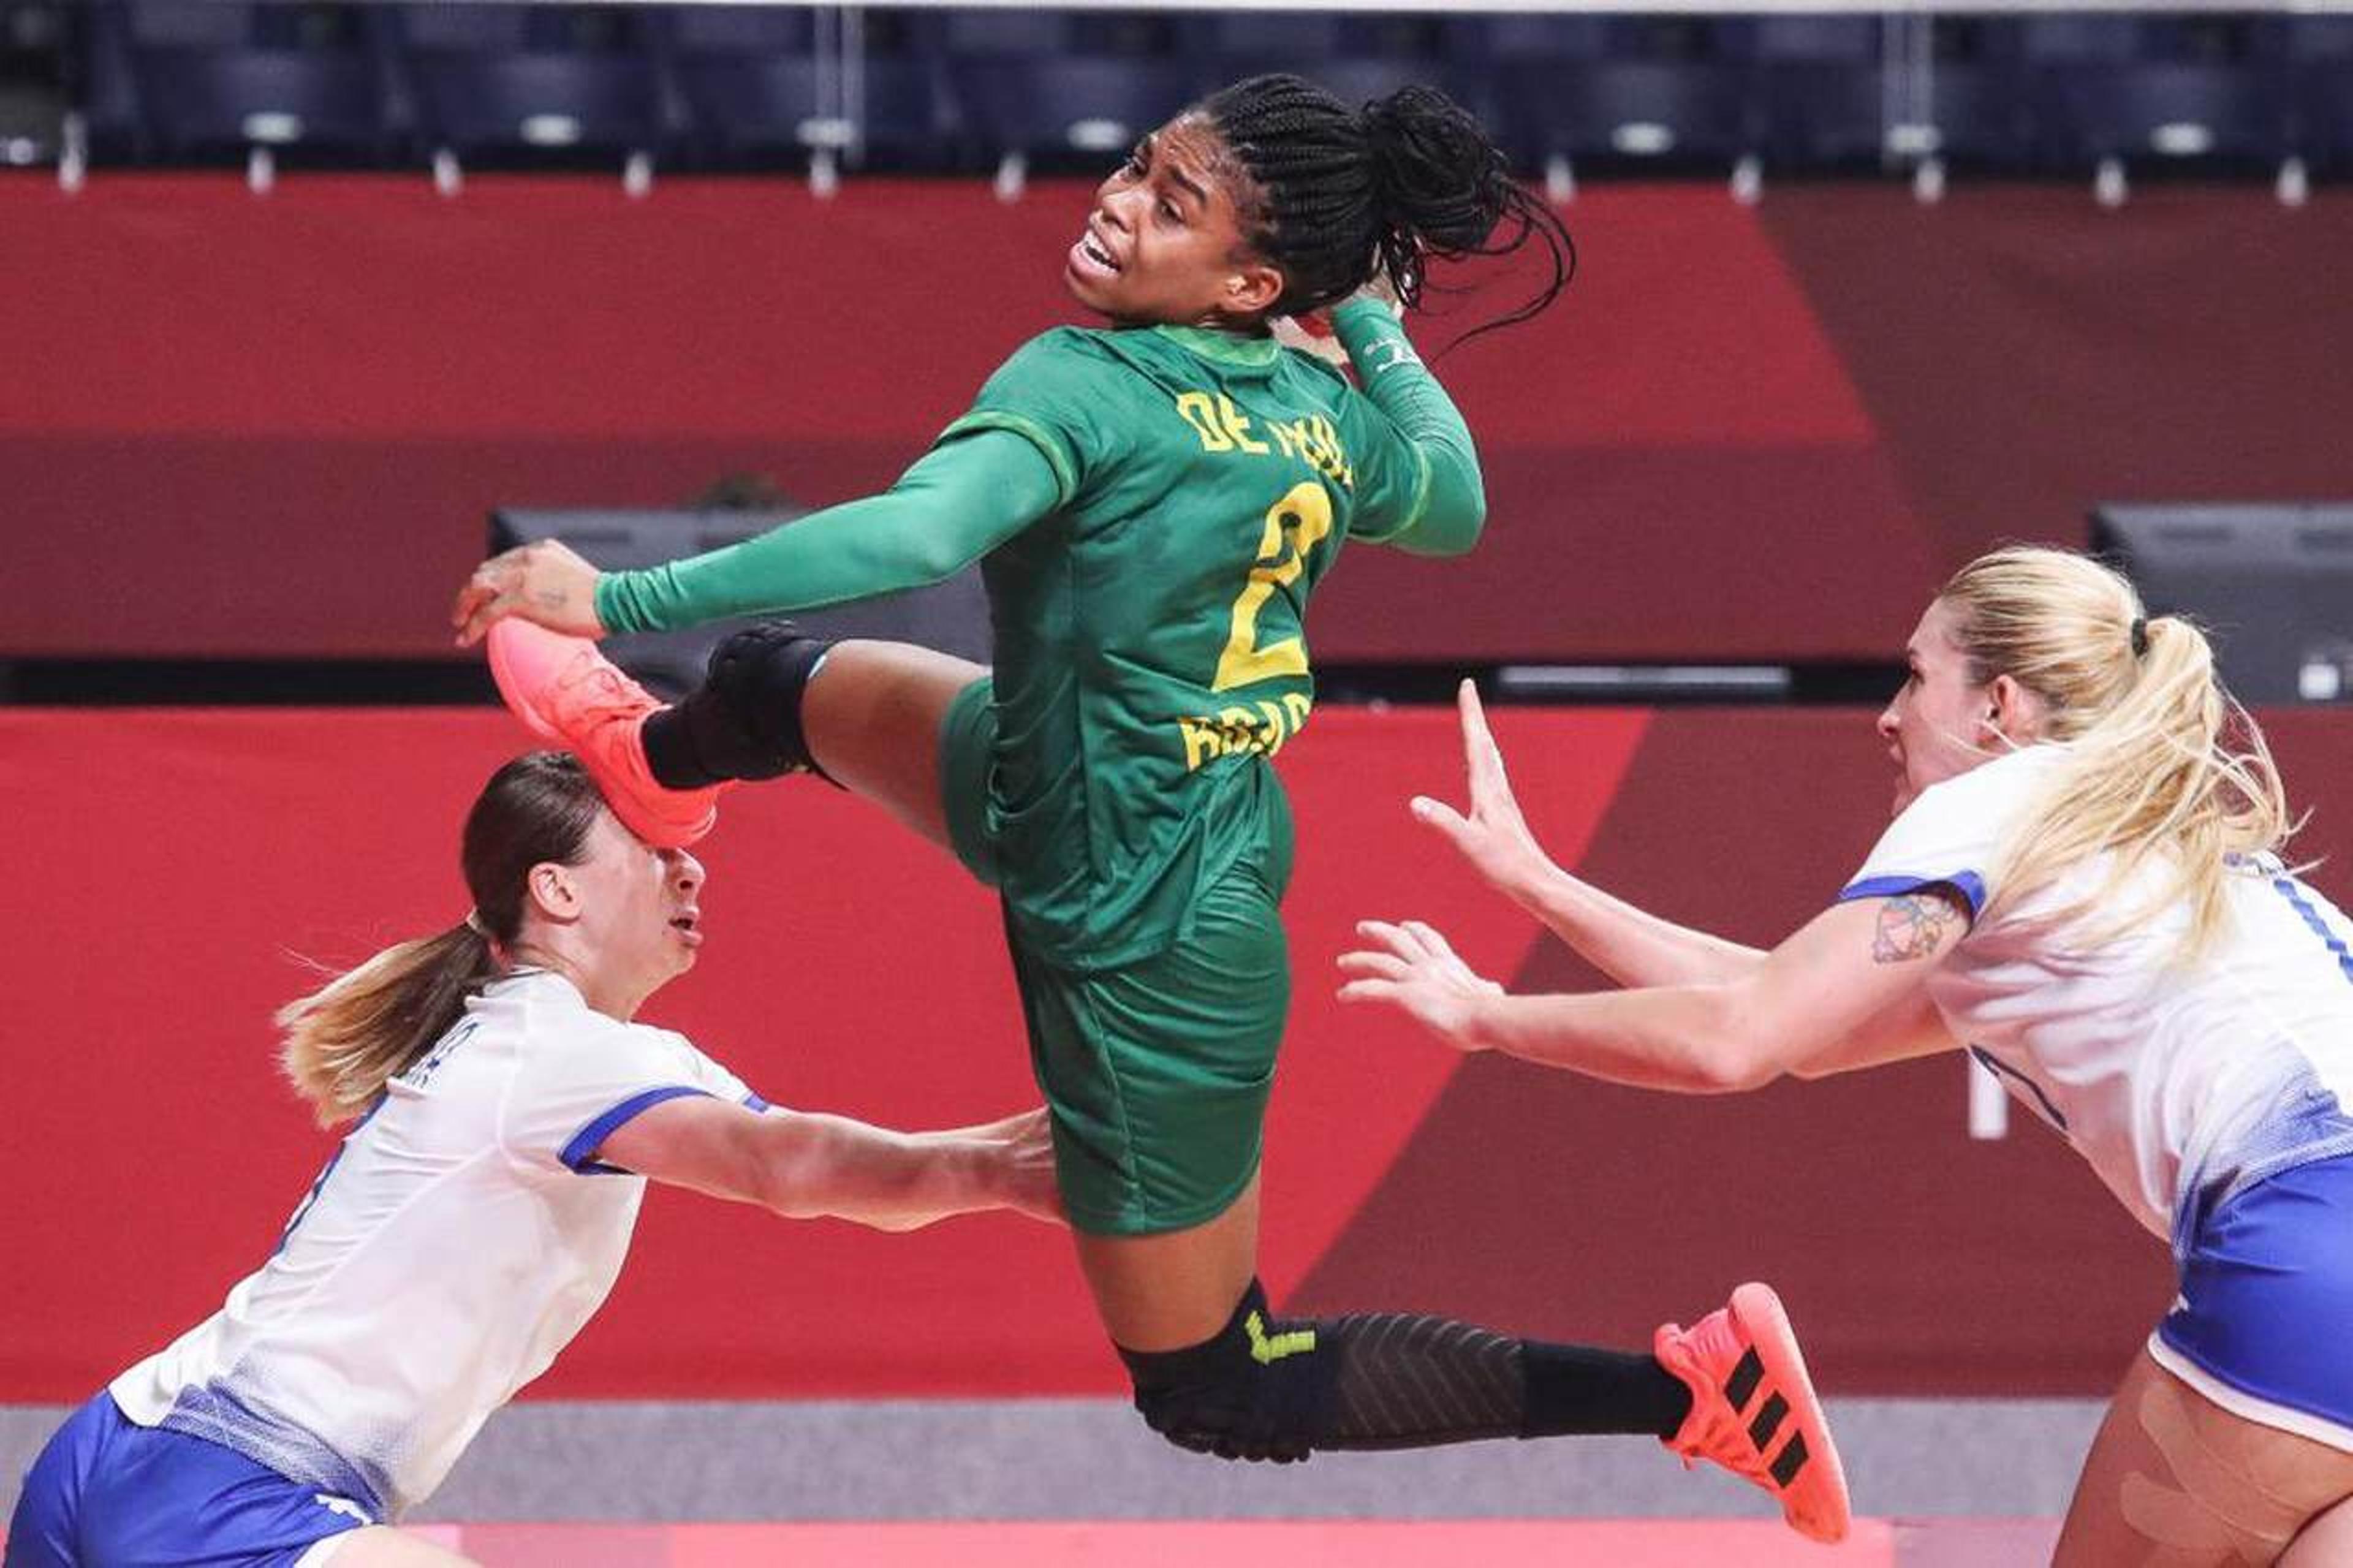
{"type": "Point", "coordinates": [2175, 1082]}
{"type": "Point", "coordinates": [458, 1240]}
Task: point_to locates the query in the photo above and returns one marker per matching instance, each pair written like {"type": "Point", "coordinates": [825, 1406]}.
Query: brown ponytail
{"type": "Point", "coordinates": [346, 1040]}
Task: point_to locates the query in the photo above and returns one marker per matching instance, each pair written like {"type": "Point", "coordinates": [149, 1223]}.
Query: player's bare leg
{"type": "Point", "coordinates": [1168, 1291]}
{"type": "Point", "coordinates": [871, 717]}
{"type": "Point", "coordinates": [2175, 1481]}
{"type": "Point", "coordinates": [2326, 1539]}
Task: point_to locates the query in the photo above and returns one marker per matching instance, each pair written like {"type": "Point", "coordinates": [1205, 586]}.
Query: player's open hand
{"type": "Point", "coordinates": [1492, 835]}
{"type": "Point", "coordinates": [548, 581]}
{"type": "Point", "coordinates": [1408, 966]}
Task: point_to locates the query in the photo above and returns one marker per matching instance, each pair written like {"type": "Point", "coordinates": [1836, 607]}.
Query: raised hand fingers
{"type": "Point", "coordinates": [1412, 941]}
{"type": "Point", "coordinates": [476, 608]}
{"type": "Point", "coordinates": [1481, 756]}
{"type": "Point", "coordinates": [480, 602]}
{"type": "Point", "coordinates": [1391, 936]}
{"type": "Point", "coordinates": [484, 600]}
{"type": "Point", "coordinates": [1437, 950]}
{"type": "Point", "coordinates": [1442, 953]}
{"type": "Point", "coordinates": [1437, 814]}
{"type": "Point", "coordinates": [477, 588]}
{"type": "Point", "coordinates": [1426, 936]}
{"type": "Point", "coordinates": [1375, 965]}
{"type": "Point", "coordinates": [1475, 733]}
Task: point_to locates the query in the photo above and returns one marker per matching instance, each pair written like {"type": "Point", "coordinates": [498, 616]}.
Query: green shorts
{"type": "Point", "coordinates": [1156, 1071]}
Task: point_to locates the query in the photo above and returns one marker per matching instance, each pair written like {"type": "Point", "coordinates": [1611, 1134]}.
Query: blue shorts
{"type": "Point", "coordinates": [106, 1491]}
{"type": "Point", "coordinates": [2267, 1293]}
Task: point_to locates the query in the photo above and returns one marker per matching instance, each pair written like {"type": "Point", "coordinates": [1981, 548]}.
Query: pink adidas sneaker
{"type": "Point", "coordinates": [566, 691]}
{"type": "Point", "coordinates": [1754, 1409]}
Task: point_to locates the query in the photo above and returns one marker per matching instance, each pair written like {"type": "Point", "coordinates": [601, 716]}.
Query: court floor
{"type": "Point", "coordinates": [1351, 1544]}
{"type": "Point", "coordinates": [1047, 1482]}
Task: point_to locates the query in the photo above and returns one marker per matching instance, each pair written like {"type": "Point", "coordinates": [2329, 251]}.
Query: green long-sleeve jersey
{"type": "Point", "coordinates": [1151, 508]}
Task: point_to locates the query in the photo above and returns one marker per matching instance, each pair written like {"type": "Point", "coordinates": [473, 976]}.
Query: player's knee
{"type": "Point", "coordinates": [744, 719]}
{"type": "Point", "coordinates": [1256, 1390]}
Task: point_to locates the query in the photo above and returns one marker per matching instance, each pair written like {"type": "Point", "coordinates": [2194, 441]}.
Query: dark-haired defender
{"type": "Point", "coordinates": [1152, 504]}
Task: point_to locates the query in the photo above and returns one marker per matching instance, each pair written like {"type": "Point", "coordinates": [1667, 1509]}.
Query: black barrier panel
{"type": "Point", "coordinates": [2271, 584]}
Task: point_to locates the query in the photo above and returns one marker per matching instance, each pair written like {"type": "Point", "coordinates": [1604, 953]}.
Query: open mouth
{"type": "Point", "coordinates": [1094, 252]}
{"type": "Point", "coordinates": [688, 925]}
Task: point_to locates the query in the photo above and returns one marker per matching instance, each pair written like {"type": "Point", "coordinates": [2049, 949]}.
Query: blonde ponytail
{"type": "Point", "coordinates": [2163, 768]}
{"type": "Point", "coordinates": [346, 1040]}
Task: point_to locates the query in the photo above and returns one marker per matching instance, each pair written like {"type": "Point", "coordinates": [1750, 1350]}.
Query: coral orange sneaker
{"type": "Point", "coordinates": [1754, 1410]}
{"type": "Point", "coordinates": [565, 690]}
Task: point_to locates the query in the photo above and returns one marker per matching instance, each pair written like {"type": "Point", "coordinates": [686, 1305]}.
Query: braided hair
{"type": "Point", "coordinates": [1342, 194]}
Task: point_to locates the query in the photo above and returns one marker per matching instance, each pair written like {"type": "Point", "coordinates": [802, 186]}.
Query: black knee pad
{"type": "Point", "coordinates": [1261, 1390]}
{"type": "Point", "coordinates": [744, 720]}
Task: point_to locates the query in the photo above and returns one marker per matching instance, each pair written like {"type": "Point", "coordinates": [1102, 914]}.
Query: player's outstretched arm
{"type": "Point", "coordinates": [807, 1165]}
{"type": "Point", "coordinates": [960, 501]}
{"type": "Point", "coordinates": [1845, 991]}
{"type": "Point", "coordinates": [1631, 945]}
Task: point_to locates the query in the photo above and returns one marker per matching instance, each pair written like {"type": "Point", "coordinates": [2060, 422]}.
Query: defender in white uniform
{"type": "Point", "coordinates": [2083, 886]}
{"type": "Point", "coordinates": [477, 1214]}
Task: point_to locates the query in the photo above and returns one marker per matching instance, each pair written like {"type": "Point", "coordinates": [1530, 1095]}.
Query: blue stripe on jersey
{"type": "Point", "coordinates": [587, 1141]}
{"type": "Point", "coordinates": [755, 1101]}
{"type": "Point", "coordinates": [1969, 884]}
{"type": "Point", "coordinates": [2293, 892]}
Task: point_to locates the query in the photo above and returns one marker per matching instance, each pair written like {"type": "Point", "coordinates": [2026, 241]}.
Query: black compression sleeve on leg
{"type": "Point", "coordinates": [669, 752]}
{"type": "Point", "coordinates": [1575, 1388]}
{"type": "Point", "coordinates": [1254, 1391]}
{"type": "Point", "coordinates": [1411, 1382]}
{"type": "Point", "coordinates": [1405, 1380]}
{"type": "Point", "coordinates": [744, 720]}
{"type": "Point", "coordinates": [1281, 1388]}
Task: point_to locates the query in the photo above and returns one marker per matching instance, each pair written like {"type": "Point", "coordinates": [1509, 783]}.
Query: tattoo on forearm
{"type": "Point", "coordinates": [1912, 926]}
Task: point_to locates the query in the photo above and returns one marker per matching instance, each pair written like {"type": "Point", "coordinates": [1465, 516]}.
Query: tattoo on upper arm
{"type": "Point", "coordinates": [1912, 925]}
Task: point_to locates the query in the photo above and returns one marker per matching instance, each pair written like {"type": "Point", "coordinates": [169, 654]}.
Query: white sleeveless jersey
{"type": "Point", "coordinates": [2176, 1083]}
{"type": "Point", "coordinates": [456, 1242]}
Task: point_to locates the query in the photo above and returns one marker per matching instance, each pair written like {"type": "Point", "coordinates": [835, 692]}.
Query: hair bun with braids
{"type": "Point", "coordinates": [1435, 173]}
{"type": "Point", "coordinates": [1409, 177]}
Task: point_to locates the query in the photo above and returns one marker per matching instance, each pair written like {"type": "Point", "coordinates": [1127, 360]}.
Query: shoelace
{"type": "Point", "coordinates": [590, 679]}
{"type": "Point", "coordinates": [1722, 1436]}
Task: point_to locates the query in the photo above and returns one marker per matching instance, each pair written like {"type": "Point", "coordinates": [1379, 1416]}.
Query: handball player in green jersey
{"type": "Point", "coordinates": [1152, 503]}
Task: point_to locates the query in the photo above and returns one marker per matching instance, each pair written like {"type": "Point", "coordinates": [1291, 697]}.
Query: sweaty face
{"type": "Point", "coordinates": [1163, 243]}
{"type": "Point", "coordinates": [1937, 728]}
{"type": "Point", "coordinates": [638, 916]}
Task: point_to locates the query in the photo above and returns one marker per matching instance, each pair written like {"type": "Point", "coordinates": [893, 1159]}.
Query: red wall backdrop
{"type": "Point", "coordinates": [165, 868]}
{"type": "Point", "coordinates": [240, 426]}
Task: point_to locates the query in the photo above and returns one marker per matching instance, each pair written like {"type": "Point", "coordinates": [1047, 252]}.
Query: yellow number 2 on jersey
{"type": "Point", "coordinates": [1294, 526]}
